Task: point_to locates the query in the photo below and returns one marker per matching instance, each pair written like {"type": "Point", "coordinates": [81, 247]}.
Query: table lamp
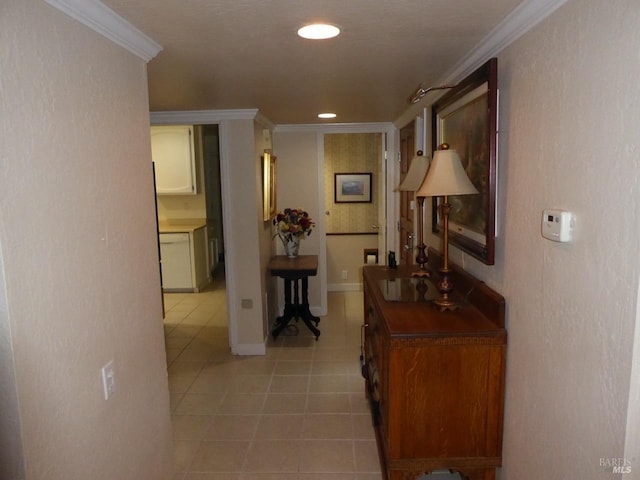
{"type": "Point", "coordinates": [411, 182]}
{"type": "Point", "coordinates": [445, 177]}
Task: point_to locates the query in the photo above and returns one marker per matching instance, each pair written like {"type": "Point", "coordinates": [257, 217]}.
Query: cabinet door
{"type": "Point", "coordinates": [172, 151]}
{"type": "Point", "coordinates": [176, 261]}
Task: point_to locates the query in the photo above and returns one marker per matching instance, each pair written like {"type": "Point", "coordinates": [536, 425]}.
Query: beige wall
{"type": "Point", "coordinates": [298, 187]}
{"type": "Point", "coordinates": [79, 257]}
{"type": "Point", "coordinates": [569, 122]}
{"type": "Point", "coordinates": [346, 253]}
{"type": "Point", "coordinates": [267, 244]}
{"type": "Point", "coordinates": [244, 230]}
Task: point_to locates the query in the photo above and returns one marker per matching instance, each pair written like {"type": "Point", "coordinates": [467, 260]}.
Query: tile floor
{"type": "Point", "coordinates": [297, 413]}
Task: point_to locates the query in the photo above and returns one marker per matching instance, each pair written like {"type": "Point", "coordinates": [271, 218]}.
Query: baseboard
{"type": "Point", "coordinates": [249, 349]}
{"type": "Point", "coordinates": [344, 287]}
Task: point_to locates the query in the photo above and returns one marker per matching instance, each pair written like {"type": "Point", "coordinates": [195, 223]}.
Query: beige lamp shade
{"type": "Point", "coordinates": [446, 177]}
{"type": "Point", "coordinates": [415, 176]}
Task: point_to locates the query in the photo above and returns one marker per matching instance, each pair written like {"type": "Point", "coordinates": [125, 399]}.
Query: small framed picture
{"type": "Point", "coordinates": [352, 188]}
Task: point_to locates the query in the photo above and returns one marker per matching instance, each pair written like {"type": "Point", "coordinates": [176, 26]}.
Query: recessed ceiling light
{"type": "Point", "coordinates": [319, 31]}
{"type": "Point", "coordinates": [327, 115]}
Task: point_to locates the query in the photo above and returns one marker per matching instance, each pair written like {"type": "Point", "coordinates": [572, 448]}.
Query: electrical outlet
{"type": "Point", "coordinates": [344, 274]}
{"type": "Point", "coordinates": [108, 380]}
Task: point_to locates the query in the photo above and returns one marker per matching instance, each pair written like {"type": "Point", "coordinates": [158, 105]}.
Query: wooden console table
{"type": "Point", "coordinates": [293, 270]}
{"type": "Point", "coordinates": [435, 380]}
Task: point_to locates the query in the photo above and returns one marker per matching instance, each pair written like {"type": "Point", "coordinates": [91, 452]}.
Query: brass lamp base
{"type": "Point", "coordinates": [421, 260]}
{"type": "Point", "coordinates": [421, 274]}
{"type": "Point", "coordinates": [444, 304]}
{"type": "Point", "coordinates": [445, 287]}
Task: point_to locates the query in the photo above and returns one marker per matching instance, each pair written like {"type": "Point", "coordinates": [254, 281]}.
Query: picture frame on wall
{"type": "Point", "coordinates": [269, 163]}
{"type": "Point", "coordinates": [466, 118]}
{"type": "Point", "coordinates": [352, 187]}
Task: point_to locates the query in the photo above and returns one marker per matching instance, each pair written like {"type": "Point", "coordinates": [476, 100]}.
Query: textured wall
{"type": "Point", "coordinates": [569, 122]}
{"type": "Point", "coordinates": [79, 246]}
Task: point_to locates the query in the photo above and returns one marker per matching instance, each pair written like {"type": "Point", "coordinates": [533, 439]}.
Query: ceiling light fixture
{"type": "Point", "coordinates": [319, 31]}
{"type": "Point", "coordinates": [327, 115]}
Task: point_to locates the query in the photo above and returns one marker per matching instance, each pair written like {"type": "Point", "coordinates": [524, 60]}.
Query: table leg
{"type": "Point", "coordinates": [289, 310]}
{"type": "Point", "coordinates": [306, 315]}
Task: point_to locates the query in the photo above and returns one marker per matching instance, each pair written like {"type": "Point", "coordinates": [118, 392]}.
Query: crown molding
{"type": "Point", "coordinates": [101, 19]}
{"type": "Point", "coordinates": [336, 127]}
{"type": "Point", "coordinates": [202, 116]}
{"type": "Point", "coordinates": [522, 19]}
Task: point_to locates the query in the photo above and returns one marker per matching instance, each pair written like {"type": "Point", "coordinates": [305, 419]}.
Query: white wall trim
{"type": "Point", "coordinates": [374, 127]}
{"type": "Point", "coordinates": [517, 23]}
{"type": "Point", "coordinates": [322, 227]}
{"type": "Point", "coordinates": [204, 116]}
{"type": "Point", "coordinates": [101, 19]}
{"type": "Point", "coordinates": [250, 349]}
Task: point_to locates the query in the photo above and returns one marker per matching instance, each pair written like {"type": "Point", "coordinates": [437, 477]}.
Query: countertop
{"type": "Point", "coordinates": [187, 225]}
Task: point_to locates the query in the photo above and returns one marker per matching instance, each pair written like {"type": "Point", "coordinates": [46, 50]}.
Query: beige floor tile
{"type": "Point", "coordinates": [362, 426]}
{"type": "Point", "coordinates": [219, 456]}
{"type": "Point", "coordinates": [289, 384]}
{"type": "Point", "coordinates": [303, 339]}
{"type": "Point", "coordinates": [326, 456]}
{"type": "Point", "coordinates": [184, 451]}
{"type": "Point", "coordinates": [295, 353]}
{"type": "Point", "coordinates": [293, 367]}
{"type": "Point", "coordinates": [328, 403]}
{"type": "Point", "coordinates": [232, 427]}
{"type": "Point", "coordinates": [326, 476]}
{"type": "Point", "coordinates": [181, 383]}
{"type": "Point", "coordinates": [328, 384]}
{"type": "Point", "coordinates": [252, 365]}
{"type": "Point", "coordinates": [272, 456]}
{"type": "Point", "coordinates": [330, 368]}
{"type": "Point", "coordinates": [174, 400]}
{"type": "Point", "coordinates": [328, 426]}
{"type": "Point", "coordinates": [346, 354]}
{"type": "Point", "coordinates": [269, 476]}
{"type": "Point", "coordinates": [207, 382]}
{"type": "Point", "coordinates": [189, 427]}
{"type": "Point", "coordinates": [366, 453]}
{"type": "Point", "coordinates": [356, 382]}
{"type": "Point", "coordinates": [185, 368]}
{"type": "Point", "coordinates": [369, 476]}
{"type": "Point", "coordinates": [285, 403]}
{"type": "Point", "coordinates": [248, 383]}
{"type": "Point", "coordinates": [213, 476]}
{"type": "Point", "coordinates": [242, 404]}
{"type": "Point", "coordinates": [280, 427]}
{"type": "Point", "coordinates": [199, 404]}
{"type": "Point", "coordinates": [314, 422]}
{"type": "Point", "coordinates": [359, 402]}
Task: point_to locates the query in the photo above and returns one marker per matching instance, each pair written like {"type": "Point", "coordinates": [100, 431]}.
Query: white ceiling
{"type": "Point", "coordinates": [236, 54]}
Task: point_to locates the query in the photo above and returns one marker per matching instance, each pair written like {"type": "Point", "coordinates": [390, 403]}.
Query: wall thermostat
{"type": "Point", "coordinates": [557, 225]}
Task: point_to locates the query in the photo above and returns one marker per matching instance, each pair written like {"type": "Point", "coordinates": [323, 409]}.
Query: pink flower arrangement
{"type": "Point", "coordinates": [293, 222]}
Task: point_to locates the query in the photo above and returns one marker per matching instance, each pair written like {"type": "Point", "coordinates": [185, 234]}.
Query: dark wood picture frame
{"type": "Point", "coordinates": [352, 187]}
{"type": "Point", "coordinates": [467, 119]}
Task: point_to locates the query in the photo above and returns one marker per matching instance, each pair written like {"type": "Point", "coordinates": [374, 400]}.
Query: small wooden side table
{"type": "Point", "coordinates": [293, 270]}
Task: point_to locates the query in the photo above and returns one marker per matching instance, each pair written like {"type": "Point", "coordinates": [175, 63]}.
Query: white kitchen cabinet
{"type": "Point", "coordinates": [173, 152]}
